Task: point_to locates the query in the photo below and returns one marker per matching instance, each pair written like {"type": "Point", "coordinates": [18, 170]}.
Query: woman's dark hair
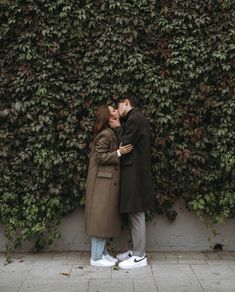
{"type": "Point", "coordinates": [102, 118]}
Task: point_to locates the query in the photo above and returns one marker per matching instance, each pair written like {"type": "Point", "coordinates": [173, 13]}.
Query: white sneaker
{"type": "Point", "coordinates": [124, 256]}
{"type": "Point", "coordinates": [102, 263]}
{"type": "Point", "coordinates": [110, 258]}
{"type": "Point", "coordinates": [133, 263]}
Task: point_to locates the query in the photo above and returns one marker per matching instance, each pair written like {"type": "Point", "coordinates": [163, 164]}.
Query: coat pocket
{"type": "Point", "coordinates": [105, 174]}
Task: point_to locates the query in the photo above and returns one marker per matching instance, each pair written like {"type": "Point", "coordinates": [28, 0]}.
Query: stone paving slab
{"type": "Point", "coordinates": [13, 275]}
{"type": "Point", "coordinates": [177, 277]}
{"type": "Point", "coordinates": [110, 285]}
{"type": "Point", "coordinates": [215, 277]}
{"type": "Point", "coordinates": [232, 267]}
{"type": "Point", "coordinates": [75, 258]}
{"type": "Point", "coordinates": [89, 272]}
{"type": "Point", "coordinates": [29, 258]}
{"type": "Point", "coordinates": [71, 271]}
{"type": "Point", "coordinates": [48, 272]}
{"type": "Point", "coordinates": [141, 273]}
{"type": "Point", "coordinates": [66, 285]}
{"type": "Point", "coordinates": [156, 256]}
{"type": "Point", "coordinates": [82, 258]}
{"type": "Point", "coordinates": [141, 285]}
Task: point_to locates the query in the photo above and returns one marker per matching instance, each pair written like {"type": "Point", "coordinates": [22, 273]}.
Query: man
{"type": "Point", "coordinates": [137, 192]}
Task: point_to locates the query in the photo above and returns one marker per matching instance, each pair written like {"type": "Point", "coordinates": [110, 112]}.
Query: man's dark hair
{"type": "Point", "coordinates": [132, 99]}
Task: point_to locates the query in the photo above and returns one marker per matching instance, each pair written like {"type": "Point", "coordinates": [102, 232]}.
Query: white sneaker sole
{"type": "Point", "coordinates": [140, 264]}
{"type": "Point", "coordinates": [94, 264]}
{"type": "Point", "coordinates": [113, 260]}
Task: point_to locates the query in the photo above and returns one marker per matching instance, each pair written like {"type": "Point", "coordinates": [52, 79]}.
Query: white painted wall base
{"type": "Point", "coordinates": [186, 233]}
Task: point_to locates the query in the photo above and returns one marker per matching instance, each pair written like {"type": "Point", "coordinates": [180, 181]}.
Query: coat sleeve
{"type": "Point", "coordinates": [103, 155]}
{"type": "Point", "coordinates": [133, 132]}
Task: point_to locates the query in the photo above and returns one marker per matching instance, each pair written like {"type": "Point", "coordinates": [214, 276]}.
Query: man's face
{"type": "Point", "coordinates": [122, 107]}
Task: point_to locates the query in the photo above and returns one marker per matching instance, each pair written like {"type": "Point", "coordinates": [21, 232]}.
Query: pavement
{"type": "Point", "coordinates": [166, 272]}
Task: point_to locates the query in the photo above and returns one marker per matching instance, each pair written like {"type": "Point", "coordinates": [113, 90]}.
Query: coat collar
{"type": "Point", "coordinates": [113, 134]}
{"type": "Point", "coordinates": [109, 130]}
{"type": "Point", "coordinates": [131, 112]}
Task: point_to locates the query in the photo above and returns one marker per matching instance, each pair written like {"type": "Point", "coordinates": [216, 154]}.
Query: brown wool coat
{"type": "Point", "coordinates": [102, 217]}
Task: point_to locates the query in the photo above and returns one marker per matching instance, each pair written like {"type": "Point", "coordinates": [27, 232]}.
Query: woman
{"type": "Point", "coordinates": [102, 217]}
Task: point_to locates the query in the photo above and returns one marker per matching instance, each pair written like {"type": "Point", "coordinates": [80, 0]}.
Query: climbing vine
{"type": "Point", "coordinates": [60, 59]}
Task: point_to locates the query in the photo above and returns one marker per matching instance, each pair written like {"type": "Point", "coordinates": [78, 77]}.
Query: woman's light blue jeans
{"type": "Point", "coordinates": [98, 248]}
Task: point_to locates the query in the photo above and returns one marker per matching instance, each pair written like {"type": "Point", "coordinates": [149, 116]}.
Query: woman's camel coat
{"type": "Point", "coordinates": [102, 217]}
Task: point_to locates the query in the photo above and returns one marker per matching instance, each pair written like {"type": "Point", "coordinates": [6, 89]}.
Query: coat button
{"type": "Point", "coordinates": [115, 184]}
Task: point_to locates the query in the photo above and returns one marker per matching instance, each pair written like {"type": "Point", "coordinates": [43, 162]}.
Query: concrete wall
{"type": "Point", "coordinates": [187, 233]}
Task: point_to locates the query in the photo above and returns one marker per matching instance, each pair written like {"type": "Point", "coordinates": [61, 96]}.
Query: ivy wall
{"type": "Point", "coordinates": [60, 59]}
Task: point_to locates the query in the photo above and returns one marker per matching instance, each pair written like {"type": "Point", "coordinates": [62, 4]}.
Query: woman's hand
{"type": "Point", "coordinates": [125, 149]}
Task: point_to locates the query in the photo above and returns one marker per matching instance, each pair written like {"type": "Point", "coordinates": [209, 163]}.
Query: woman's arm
{"type": "Point", "coordinates": [102, 151]}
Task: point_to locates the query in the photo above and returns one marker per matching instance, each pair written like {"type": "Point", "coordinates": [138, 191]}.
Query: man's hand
{"type": "Point", "coordinates": [125, 149]}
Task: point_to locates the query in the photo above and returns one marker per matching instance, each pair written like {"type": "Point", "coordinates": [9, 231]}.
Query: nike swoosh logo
{"type": "Point", "coordinates": [136, 261]}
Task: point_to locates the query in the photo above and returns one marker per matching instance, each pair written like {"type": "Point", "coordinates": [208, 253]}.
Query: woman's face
{"type": "Point", "coordinates": [114, 113]}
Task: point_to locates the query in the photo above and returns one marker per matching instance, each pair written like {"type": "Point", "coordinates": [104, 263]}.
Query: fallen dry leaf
{"type": "Point", "coordinates": [65, 274]}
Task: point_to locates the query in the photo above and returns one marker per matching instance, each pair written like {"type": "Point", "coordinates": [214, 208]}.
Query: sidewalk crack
{"type": "Point", "coordinates": [26, 277]}
{"type": "Point", "coordinates": [190, 266]}
{"type": "Point", "coordinates": [154, 278]}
